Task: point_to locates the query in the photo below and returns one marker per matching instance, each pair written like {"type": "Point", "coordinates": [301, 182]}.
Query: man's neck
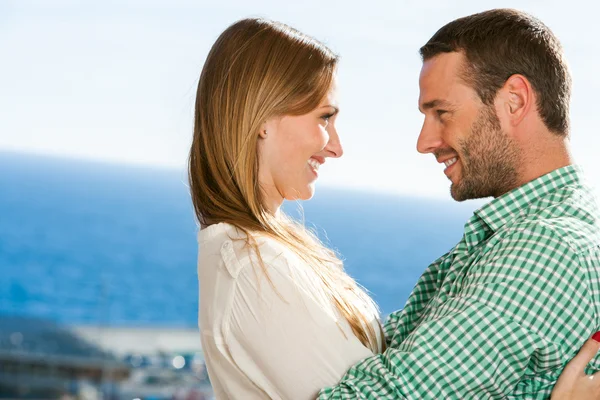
{"type": "Point", "coordinates": [545, 158]}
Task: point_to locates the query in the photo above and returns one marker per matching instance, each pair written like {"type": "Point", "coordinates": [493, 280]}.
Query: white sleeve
{"type": "Point", "coordinates": [281, 334]}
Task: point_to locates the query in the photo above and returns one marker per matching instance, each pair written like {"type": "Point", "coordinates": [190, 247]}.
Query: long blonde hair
{"type": "Point", "coordinates": [256, 70]}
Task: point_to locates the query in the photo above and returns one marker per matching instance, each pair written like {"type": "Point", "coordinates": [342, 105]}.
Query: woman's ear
{"type": "Point", "coordinates": [265, 128]}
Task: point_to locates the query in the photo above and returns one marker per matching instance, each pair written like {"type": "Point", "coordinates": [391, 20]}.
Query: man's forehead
{"type": "Point", "coordinates": [439, 77]}
{"type": "Point", "coordinates": [445, 66]}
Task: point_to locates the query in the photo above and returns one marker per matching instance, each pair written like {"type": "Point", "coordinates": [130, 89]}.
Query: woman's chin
{"type": "Point", "coordinates": [304, 194]}
{"type": "Point", "coordinates": [309, 192]}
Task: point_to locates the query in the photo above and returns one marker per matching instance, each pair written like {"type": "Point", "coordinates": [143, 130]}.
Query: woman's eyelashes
{"type": "Point", "coordinates": [327, 117]}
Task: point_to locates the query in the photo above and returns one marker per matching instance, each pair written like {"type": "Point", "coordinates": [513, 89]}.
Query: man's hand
{"type": "Point", "coordinates": [573, 383]}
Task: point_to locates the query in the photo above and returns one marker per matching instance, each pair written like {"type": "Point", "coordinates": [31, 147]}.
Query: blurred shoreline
{"type": "Point", "coordinates": [122, 340]}
{"type": "Point", "coordinates": [42, 359]}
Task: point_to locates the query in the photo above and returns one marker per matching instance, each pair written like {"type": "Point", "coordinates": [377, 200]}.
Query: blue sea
{"type": "Point", "coordinates": [92, 243]}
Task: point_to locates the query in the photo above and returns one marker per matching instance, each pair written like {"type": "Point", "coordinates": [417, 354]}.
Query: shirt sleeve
{"type": "Point", "coordinates": [282, 335]}
{"type": "Point", "coordinates": [507, 326]}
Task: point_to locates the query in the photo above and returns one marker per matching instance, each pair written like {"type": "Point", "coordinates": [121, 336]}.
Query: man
{"type": "Point", "coordinates": [503, 312]}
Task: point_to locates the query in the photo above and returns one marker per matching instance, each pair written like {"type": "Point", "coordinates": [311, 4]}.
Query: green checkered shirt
{"type": "Point", "coordinates": [501, 314]}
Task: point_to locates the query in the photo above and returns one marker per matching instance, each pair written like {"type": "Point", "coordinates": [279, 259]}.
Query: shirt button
{"type": "Point", "coordinates": [226, 245]}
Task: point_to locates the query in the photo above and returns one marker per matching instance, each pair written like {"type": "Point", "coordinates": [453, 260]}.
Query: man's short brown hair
{"type": "Point", "coordinates": [502, 42]}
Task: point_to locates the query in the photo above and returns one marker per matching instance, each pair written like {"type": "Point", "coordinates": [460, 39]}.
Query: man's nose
{"type": "Point", "coordinates": [430, 138]}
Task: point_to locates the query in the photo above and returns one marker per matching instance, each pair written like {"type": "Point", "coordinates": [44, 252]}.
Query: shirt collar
{"type": "Point", "coordinates": [504, 209]}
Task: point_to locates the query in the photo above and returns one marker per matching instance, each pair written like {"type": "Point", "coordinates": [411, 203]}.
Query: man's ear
{"type": "Point", "coordinates": [516, 99]}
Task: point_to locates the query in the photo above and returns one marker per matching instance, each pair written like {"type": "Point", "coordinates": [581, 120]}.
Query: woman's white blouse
{"type": "Point", "coordinates": [283, 340]}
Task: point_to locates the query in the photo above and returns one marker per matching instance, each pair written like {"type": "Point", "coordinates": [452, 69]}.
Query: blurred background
{"type": "Point", "coordinates": [98, 285]}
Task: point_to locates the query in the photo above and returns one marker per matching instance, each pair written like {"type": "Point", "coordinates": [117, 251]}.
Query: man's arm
{"type": "Point", "coordinates": [521, 312]}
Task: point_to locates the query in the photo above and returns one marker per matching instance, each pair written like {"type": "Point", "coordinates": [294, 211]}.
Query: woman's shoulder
{"type": "Point", "coordinates": [260, 269]}
{"type": "Point", "coordinates": [240, 250]}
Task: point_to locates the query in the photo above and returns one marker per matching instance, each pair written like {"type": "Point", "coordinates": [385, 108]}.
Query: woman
{"type": "Point", "coordinates": [279, 317]}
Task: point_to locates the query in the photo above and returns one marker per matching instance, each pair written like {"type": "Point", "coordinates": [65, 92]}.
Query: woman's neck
{"type": "Point", "coordinates": [273, 201]}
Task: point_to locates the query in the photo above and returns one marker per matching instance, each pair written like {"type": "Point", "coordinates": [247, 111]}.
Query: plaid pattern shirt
{"type": "Point", "coordinates": [501, 314]}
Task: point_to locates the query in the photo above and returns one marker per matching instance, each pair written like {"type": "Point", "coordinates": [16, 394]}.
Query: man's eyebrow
{"type": "Point", "coordinates": [434, 103]}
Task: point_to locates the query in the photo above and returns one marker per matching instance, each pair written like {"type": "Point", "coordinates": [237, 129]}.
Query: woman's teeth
{"type": "Point", "coordinates": [314, 163]}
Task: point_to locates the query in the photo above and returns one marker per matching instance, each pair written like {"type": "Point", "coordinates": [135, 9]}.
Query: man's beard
{"type": "Point", "coordinates": [489, 160]}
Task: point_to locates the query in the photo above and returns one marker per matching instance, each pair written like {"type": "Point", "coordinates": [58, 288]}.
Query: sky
{"type": "Point", "coordinates": [116, 80]}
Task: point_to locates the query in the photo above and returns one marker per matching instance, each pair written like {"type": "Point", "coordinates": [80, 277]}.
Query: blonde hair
{"type": "Point", "coordinates": [256, 70]}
